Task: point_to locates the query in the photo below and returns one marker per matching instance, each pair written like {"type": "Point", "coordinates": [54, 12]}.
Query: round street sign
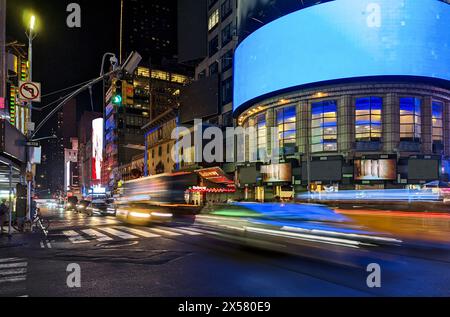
{"type": "Point", "coordinates": [30, 91]}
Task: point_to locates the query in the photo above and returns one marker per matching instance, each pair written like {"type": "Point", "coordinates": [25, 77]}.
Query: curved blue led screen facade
{"type": "Point", "coordinates": [344, 39]}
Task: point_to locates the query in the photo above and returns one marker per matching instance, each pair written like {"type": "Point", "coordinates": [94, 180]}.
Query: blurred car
{"type": "Point", "coordinates": [112, 209]}
{"type": "Point", "coordinates": [97, 207]}
{"type": "Point", "coordinates": [72, 203]}
{"type": "Point", "coordinates": [82, 205]}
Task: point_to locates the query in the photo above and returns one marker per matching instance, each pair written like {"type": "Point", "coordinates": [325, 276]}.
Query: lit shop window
{"type": "Point", "coordinates": [438, 125]}
{"type": "Point", "coordinates": [368, 118]}
{"type": "Point", "coordinates": [286, 120]}
{"type": "Point", "coordinates": [213, 20]}
{"type": "Point", "coordinates": [324, 126]}
{"type": "Point", "coordinates": [410, 119]}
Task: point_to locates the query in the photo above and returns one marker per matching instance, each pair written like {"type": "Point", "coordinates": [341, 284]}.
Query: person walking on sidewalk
{"type": "Point", "coordinates": [4, 210]}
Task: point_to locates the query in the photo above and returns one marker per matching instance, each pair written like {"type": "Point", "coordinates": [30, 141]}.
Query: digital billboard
{"type": "Point", "coordinates": [276, 173]}
{"type": "Point", "coordinates": [374, 170]}
{"type": "Point", "coordinates": [341, 40]}
{"type": "Point", "coordinates": [97, 148]}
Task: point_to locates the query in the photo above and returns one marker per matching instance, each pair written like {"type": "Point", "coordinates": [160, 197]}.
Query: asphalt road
{"type": "Point", "coordinates": [186, 260]}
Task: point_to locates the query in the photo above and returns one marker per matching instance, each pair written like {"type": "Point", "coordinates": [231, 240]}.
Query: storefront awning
{"type": "Point", "coordinates": [215, 175]}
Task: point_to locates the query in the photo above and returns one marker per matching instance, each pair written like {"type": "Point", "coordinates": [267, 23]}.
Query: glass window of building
{"type": "Point", "coordinates": [261, 133]}
{"type": "Point", "coordinates": [410, 119]}
{"type": "Point", "coordinates": [213, 20]}
{"type": "Point", "coordinates": [227, 60]}
{"type": "Point", "coordinates": [324, 126]}
{"type": "Point", "coordinates": [438, 122]}
{"type": "Point", "coordinates": [214, 68]}
{"type": "Point", "coordinates": [213, 46]}
{"type": "Point", "coordinates": [368, 118]}
{"type": "Point", "coordinates": [227, 91]}
{"type": "Point", "coordinates": [227, 34]}
{"type": "Point", "coordinates": [286, 120]}
{"type": "Point", "coordinates": [226, 8]}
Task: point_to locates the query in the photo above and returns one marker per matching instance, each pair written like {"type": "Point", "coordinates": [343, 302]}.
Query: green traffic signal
{"type": "Point", "coordinates": [117, 100]}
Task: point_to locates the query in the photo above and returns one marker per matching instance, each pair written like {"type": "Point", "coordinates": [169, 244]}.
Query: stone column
{"type": "Point", "coordinates": [346, 124]}
{"type": "Point", "coordinates": [391, 122]}
{"type": "Point", "coordinates": [447, 128]}
{"type": "Point", "coordinates": [302, 124]}
{"type": "Point", "coordinates": [270, 123]}
{"type": "Point", "coordinates": [426, 130]}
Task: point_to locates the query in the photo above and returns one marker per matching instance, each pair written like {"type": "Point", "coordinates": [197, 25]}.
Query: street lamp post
{"type": "Point", "coordinates": [31, 34]}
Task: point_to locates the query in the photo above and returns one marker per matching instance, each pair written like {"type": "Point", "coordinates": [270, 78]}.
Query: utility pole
{"type": "Point", "coordinates": [2, 49]}
{"type": "Point", "coordinates": [30, 35]}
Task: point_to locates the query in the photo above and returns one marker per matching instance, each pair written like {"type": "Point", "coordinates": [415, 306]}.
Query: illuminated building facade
{"type": "Point", "coordinates": [145, 97]}
{"type": "Point", "coordinates": [85, 151]}
{"type": "Point", "coordinates": [360, 97]}
{"type": "Point", "coordinates": [71, 170]}
{"type": "Point", "coordinates": [13, 109]}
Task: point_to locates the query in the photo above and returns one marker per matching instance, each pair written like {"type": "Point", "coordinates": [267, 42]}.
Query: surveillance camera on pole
{"type": "Point", "coordinates": [132, 63]}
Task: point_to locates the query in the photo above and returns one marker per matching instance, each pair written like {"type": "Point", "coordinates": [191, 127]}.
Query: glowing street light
{"type": "Point", "coordinates": [32, 22]}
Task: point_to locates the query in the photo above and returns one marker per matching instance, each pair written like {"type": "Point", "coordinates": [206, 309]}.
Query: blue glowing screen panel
{"type": "Point", "coordinates": [344, 39]}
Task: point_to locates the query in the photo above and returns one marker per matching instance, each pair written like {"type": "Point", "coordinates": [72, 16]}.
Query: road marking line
{"type": "Point", "coordinates": [13, 265]}
{"type": "Point", "coordinates": [12, 279]}
{"type": "Point", "coordinates": [185, 231]}
{"type": "Point", "coordinates": [140, 232]}
{"type": "Point", "coordinates": [74, 237]}
{"type": "Point", "coordinates": [97, 235]}
{"type": "Point", "coordinates": [23, 296]}
{"type": "Point", "coordinates": [118, 233]}
{"type": "Point", "coordinates": [165, 232]}
{"type": "Point", "coordinates": [13, 272]}
{"type": "Point", "coordinates": [10, 260]}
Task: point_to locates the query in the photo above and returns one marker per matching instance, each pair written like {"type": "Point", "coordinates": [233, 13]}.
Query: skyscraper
{"type": "Point", "coordinates": [149, 27]}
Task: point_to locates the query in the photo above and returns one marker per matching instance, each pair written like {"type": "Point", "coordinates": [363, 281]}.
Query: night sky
{"type": "Point", "coordinates": [63, 56]}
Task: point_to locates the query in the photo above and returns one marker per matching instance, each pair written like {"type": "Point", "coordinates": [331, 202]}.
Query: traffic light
{"type": "Point", "coordinates": [117, 96]}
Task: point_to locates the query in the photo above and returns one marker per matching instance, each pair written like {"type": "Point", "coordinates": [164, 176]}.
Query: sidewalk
{"type": "Point", "coordinates": [16, 239]}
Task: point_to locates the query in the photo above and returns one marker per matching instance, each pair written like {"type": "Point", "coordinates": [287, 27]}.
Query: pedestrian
{"type": "Point", "coordinates": [4, 210]}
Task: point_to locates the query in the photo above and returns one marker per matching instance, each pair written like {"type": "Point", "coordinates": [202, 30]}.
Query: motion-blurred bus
{"type": "Point", "coordinates": [156, 198]}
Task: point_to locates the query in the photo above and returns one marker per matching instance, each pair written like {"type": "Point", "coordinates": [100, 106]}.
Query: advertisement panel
{"type": "Point", "coordinates": [423, 170]}
{"type": "Point", "coordinates": [97, 148]}
{"type": "Point", "coordinates": [277, 173]}
{"type": "Point", "coordinates": [344, 39]}
{"type": "Point", "coordinates": [376, 170]}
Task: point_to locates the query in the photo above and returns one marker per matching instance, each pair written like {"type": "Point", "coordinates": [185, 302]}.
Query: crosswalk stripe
{"type": "Point", "coordinates": [118, 233]}
{"type": "Point", "coordinates": [13, 265]}
{"type": "Point", "coordinates": [12, 279]}
{"type": "Point", "coordinates": [164, 232]}
{"type": "Point", "coordinates": [201, 230]}
{"type": "Point", "coordinates": [140, 232]}
{"type": "Point", "coordinates": [13, 272]}
{"type": "Point", "coordinates": [97, 235]}
{"type": "Point", "coordinates": [74, 237]}
{"type": "Point", "coordinates": [188, 232]}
